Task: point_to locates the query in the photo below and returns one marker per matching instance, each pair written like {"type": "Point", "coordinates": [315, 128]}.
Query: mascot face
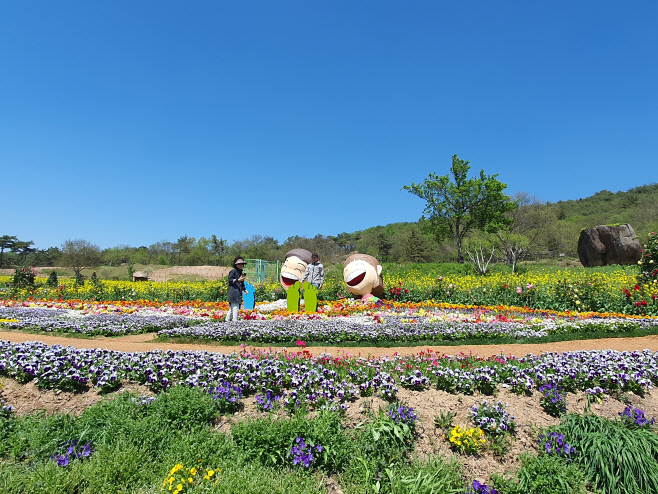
{"type": "Point", "coordinates": [292, 270]}
{"type": "Point", "coordinates": [361, 277]}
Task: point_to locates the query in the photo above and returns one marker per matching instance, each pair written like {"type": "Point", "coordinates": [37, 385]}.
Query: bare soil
{"type": "Point", "coordinates": [206, 272]}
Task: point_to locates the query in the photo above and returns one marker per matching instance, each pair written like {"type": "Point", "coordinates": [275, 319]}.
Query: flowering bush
{"type": "Point", "coordinates": [648, 263]}
{"type": "Point", "coordinates": [553, 401]}
{"type": "Point", "coordinates": [634, 418]}
{"type": "Point", "coordinates": [467, 440]}
{"type": "Point", "coordinates": [301, 453]}
{"type": "Point", "coordinates": [71, 450]}
{"type": "Point", "coordinates": [181, 479]}
{"type": "Point", "coordinates": [24, 279]}
{"type": "Point", "coordinates": [493, 419]}
{"type": "Point", "coordinates": [553, 443]}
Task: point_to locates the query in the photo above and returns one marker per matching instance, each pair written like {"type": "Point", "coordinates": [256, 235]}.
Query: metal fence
{"type": "Point", "coordinates": [259, 270]}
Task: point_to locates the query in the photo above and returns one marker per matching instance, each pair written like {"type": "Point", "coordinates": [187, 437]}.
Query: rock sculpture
{"type": "Point", "coordinates": [363, 275]}
{"type": "Point", "coordinates": [294, 267]}
{"type": "Point", "coordinates": [608, 244]}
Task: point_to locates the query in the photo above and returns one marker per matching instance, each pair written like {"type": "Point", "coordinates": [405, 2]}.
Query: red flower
{"type": "Point", "coordinates": [644, 302]}
{"type": "Point", "coordinates": [637, 288]}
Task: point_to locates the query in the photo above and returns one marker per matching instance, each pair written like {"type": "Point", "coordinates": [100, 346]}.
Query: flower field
{"type": "Point", "coordinates": [335, 323]}
{"type": "Point", "coordinates": [573, 290]}
{"type": "Point", "coordinates": [286, 421]}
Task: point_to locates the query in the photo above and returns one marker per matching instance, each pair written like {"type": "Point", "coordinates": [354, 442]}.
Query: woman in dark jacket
{"type": "Point", "coordinates": [235, 288]}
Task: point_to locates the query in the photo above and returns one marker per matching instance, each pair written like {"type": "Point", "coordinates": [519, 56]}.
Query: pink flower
{"type": "Point", "coordinates": [301, 343]}
{"type": "Point", "coordinates": [519, 289]}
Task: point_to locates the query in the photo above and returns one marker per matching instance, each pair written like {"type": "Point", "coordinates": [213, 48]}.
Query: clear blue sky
{"type": "Point", "coordinates": [130, 122]}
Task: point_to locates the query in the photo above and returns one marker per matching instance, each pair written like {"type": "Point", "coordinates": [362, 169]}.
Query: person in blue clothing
{"type": "Point", "coordinates": [236, 288]}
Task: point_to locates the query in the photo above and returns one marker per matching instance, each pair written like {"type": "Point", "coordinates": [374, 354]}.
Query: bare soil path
{"type": "Point", "coordinates": [147, 342]}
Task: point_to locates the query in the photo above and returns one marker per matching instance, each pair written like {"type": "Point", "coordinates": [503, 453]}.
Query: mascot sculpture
{"type": "Point", "coordinates": [363, 276]}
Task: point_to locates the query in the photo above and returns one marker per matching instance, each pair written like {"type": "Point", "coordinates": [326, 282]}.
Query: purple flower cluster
{"type": "Point", "coordinates": [267, 401]}
{"type": "Point", "coordinates": [553, 401]}
{"type": "Point", "coordinates": [493, 418]}
{"type": "Point", "coordinates": [402, 414]}
{"type": "Point", "coordinates": [61, 320]}
{"type": "Point", "coordinates": [553, 443]}
{"type": "Point", "coordinates": [302, 453]}
{"type": "Point", "coordinates": [479, 488]}
{"type": "Point", "coordinates": [634, 418]}
{"type": "Point", "coordinates": [226, 396]}
{"type": "Point", "coordinates": [142, 400]}
{"type": "Point", "coordinates": [72, 450]}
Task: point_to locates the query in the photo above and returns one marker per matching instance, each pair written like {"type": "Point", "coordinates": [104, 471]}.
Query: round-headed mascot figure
{"type": "Point", "coordinates": [363, 275]}
{"type": "Point", "coordinates": [294, 266]}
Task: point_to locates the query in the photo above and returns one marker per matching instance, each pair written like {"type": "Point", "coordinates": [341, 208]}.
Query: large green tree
{"type": "Point", "coordinates": [457, 204]}
{"type": "Point", "coordinates": [79, 254]}
{"type": "Point", "coordinates": [6, 242]}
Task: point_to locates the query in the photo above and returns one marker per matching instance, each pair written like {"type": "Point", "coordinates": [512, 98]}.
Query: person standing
{"type": "Point", "coordinates": [236, 288]}
{"type": "Point", "coordinates": [314, 272]}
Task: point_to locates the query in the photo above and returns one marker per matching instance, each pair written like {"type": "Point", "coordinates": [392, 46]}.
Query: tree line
{"type": "Point", "coordinates": [464, 218]}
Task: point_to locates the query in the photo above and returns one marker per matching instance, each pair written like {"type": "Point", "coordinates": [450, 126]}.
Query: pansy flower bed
{"type": "Point", "coordinates": [335, 323]}
{"type": "Point", "coordinates": [67, 321]}
{"type": "Point", "coordinates": [325, 380]}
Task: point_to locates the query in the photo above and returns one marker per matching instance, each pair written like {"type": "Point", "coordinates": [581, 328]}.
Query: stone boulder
{"type": "Point", "coordinates": [605, 245]}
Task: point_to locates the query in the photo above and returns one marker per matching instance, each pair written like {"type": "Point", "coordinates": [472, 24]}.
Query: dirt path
{"type": "Point", "coordinates": [146, 342]}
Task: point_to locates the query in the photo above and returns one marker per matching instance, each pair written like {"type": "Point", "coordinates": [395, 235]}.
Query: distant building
{"type": "Point", "coordinates": [140, 276]}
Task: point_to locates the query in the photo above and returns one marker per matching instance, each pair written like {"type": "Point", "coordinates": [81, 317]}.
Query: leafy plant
{"type": "Point", "coordinates": [466, 440]}
{"type": "Point", "coordinates": [634, 418]}
{"type": "Point", "coordinates": [181, 479]}
{"type": "Point", "coordinates": [542, 475]}
{"type": "Point", "coordinates": [269, 441]}
{"type": "Point", "coordinates": [52, 280]}
{"type": "Point", "coordinates": [403, 414]}
{"type": "Point", "coordinates": [479, 488]}
{"type": "Point", "coordinates": [444, 419]}
{"type": "Point", "coordinates": [226, 397]}
{"type": "Point", "coordinates": [553, 402]}
{"type": "Point", "coordinates": [619, 460]}
{"type": "Point", "coordinates": [70, 451]}
{"type": "Point", "coordinates": [268, 401]}
{"type": "Point", "coordinates": [553, 443]}
{"type": "Point", "coordinates": [436, 476]}
{"type": "Point", "coordinates": [493, 419]}
{"type": "Point", "coordinates": [301, 453]}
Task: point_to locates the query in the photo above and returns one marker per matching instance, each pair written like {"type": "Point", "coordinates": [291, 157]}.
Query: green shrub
{"type": "Point", "coordinates": [52, 280]}
{"type": "Point", "coordinates": [542, 474]}
{"type": "Point", "coordinates": [270, 440]}
{"type": "Point", "coordinates": [182, 408]}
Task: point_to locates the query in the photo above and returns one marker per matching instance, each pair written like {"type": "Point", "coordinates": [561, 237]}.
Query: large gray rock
{"type": "Point", "coordinates": [605, 245]}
